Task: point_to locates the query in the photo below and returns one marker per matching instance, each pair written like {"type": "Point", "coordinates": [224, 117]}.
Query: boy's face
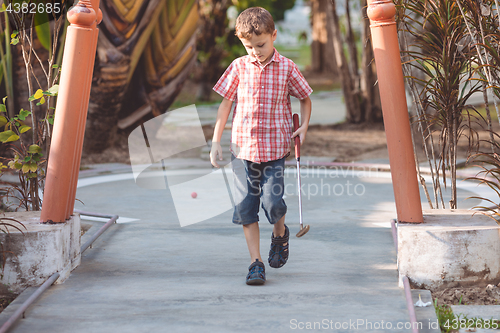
{"type": "Point", "coordinates": [260, 47]}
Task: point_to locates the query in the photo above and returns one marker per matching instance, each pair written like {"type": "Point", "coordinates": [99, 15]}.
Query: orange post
{"type": "Point", "coordinates": [395, 110]}
{"type": "Point", "coordinates": [71, 112]}
{"type": "Point", "coordinates": [83, 115]}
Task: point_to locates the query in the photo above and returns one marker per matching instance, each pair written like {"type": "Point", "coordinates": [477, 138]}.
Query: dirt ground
{"type": "Point", "coordinates": [468, 295]}
{"type": "Point", "coordinates": [344, 142]}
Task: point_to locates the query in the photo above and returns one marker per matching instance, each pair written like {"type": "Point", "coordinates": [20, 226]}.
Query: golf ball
{"type": "Point", "coordinates": [194, 195]}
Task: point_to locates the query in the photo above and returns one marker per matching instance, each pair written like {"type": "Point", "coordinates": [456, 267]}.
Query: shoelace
{"type": "Point", "coordinates": [257, 269]}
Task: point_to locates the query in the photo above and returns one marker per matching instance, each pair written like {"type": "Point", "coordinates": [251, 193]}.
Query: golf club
{"type": "Point", "coordinates": [303, 230]}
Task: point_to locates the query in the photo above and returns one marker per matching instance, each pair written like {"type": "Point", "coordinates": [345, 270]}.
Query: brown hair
{"type": "Point", "coordinates": [254, 20]}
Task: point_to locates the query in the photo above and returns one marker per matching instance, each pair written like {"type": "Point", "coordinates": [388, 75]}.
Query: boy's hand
{"type": "Point", "coordinates": [301, 132]}
{"type": "Point", "coordinates": [216, 150]}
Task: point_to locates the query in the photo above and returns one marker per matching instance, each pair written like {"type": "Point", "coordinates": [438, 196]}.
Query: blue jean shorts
{"type": "Point", "coordinates": [256, 182]}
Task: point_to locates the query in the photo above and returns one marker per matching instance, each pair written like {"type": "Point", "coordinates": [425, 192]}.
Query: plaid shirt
{"type": "Point", "coordinates": [262, 118]}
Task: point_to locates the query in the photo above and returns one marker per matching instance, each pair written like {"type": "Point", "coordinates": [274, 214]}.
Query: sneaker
{"type": "Point", "coordinates": [256, 273]}
{"type": "Point", "coordinates": [278, 254]}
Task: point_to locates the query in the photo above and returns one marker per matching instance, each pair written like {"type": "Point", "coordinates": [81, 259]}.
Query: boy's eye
{"type": "Point", "coordinates": [260, 45]}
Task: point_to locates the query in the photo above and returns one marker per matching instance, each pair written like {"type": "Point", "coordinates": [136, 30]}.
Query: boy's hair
{"type": "Point", "coordinates": [254, 20]}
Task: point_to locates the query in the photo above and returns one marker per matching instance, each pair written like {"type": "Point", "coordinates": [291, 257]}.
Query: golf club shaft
{"type": "Point", "coordinates": [300, 192]}
{"type": "Point", "coordinates": [297, 156]}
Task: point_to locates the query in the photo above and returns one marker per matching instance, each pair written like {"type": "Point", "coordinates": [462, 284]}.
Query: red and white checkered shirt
{"type": "Point", "coordinates": [262, 118]}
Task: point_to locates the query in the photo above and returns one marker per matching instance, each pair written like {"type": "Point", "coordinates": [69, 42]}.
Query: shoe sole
{"type": "Point", "coordinates": [255, 282]}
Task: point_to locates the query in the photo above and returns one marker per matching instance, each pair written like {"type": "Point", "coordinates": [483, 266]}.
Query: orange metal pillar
{"type": "Point", "coordinates": [395, 110]}
{"type": "Point", "coordinates": [71, 111]}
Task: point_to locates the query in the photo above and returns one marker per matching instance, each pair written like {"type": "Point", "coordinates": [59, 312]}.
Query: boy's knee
{"type": "Point", "coordinates": [274, 207]}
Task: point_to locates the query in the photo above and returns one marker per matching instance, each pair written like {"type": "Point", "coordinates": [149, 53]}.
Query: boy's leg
{"type": "Point", "coordinates": [252, 235]}
{"type": "Point", "coordinates": [247, 192]}
{"type": "Point", "coordinates": [279, 227]}
{"type": "Point", "coordinates": [275, 208]}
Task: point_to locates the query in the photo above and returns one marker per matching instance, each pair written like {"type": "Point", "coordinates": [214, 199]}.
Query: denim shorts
{"type": "Point", "coordinates": [255, 182]}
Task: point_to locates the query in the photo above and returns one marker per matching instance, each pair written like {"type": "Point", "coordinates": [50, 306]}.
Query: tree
{"type": "Point", "coordinates": [358, 85]}
{"type": "Point", "coordinates": [213, 37]}
{"type": "Point", "coordinates": [322, 53]}
{"type": "Point", "coordinates": [145, 51]}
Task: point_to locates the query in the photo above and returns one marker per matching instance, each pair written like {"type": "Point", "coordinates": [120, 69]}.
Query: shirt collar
{"type": "Point", "coordinates": [275, 57]}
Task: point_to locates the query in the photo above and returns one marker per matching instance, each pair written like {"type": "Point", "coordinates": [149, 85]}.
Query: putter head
{"type": "Point", "coordinates": [303, 230]}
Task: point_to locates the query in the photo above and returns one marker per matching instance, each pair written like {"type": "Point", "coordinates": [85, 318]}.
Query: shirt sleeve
{"type": "Point", "coordinates": [227, 86]}
{"type": "Point", "coordinates": [297, 84]}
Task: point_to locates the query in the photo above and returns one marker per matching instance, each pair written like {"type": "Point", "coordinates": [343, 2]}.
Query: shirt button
{"type": "Point", "coordinates": [260, 121]}
{"type": "Point", "coordinates": [262, 86]}
{"type": "Point", "coordinates": [260, 139]}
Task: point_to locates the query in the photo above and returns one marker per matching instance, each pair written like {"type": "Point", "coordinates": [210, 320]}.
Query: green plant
{"type": "Point", "coordinates": [440, 66]}
{"type": "Point", "coordinates": [444, 315]}
{"type": "Point", "coordinates": [489, 163]}
{"type": "Point", "coordinates": [27, 133]}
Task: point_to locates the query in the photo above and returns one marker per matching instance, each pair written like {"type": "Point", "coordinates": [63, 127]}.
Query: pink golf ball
{"type": "Point", "coordinates": [194, 195]}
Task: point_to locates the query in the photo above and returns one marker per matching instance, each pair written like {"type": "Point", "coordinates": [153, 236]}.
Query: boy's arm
{"type": "Point", "coordinates": [305, 115]}
{"type": "Point", "coordinates": [220, 123]}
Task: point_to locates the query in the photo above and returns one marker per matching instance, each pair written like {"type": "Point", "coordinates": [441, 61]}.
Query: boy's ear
{"type": "Point", "coordinates": [275, 33]}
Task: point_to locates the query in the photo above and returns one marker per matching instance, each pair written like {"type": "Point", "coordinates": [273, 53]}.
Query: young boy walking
{"type": "Point", "coordinates": [260, 84]}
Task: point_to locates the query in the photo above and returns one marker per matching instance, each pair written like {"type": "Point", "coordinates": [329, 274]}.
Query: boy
{"type": "Point", "coordinates": [261, 84]}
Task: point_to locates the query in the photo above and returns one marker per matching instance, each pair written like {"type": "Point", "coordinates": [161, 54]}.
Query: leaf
{"type": "Point", "coordinates": [3, 121]}
{"type": "Point", "coordinates": [8, 136]}
{"type": "Point", "coordinates": [33, 166]}
{"type": "Point", "coordinates": [3, 108]}
{"type": "Point", "coordinates": [27, 159]}
{"type": "Point", "coordinates": [25, 168]}
{"type": "Point", "coordinates": [24, 129]}
{"type": "Point", "coordinates": [42, 101]}
{"type": "Point", "coordinates": [42, 27]}
{"type": "Point", "coordinates": [14, 41]}
{"type": "Point", "coordinates": [54, 90]}
{"type": "Point", "coordinates": [34, 149]}
{"type": "Point", "coordinates": [23, 114]}
{"type": "Point", "coordinates": [4, 99]}
{"type": "Point", "coordinates": [38, 94]}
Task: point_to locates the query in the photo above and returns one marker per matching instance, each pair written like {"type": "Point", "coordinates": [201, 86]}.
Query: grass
{"type": "Point", "coordinates": [450, 322]}
{"type": "Point", "coordinates": [445, 315]}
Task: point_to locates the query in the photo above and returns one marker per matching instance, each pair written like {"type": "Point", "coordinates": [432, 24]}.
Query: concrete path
{"type": "Point", "coordinates": [147, 274]}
